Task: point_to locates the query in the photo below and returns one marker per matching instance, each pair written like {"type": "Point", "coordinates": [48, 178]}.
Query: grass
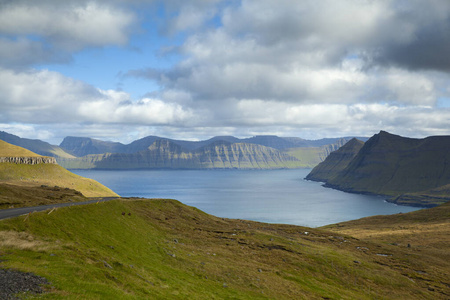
{"type": "Point", "coordinates": [162, 249]}
{"type": "Point", "coordinates": [51, 175]}
{"type": "Point", "coordinates": [309, 157]}
{"type": "Point", "coordinates": [13, 196]}
{"type": "Point", "coordinates": [422, 238]}
{"type": "Point", "coordinates": [10, 150]}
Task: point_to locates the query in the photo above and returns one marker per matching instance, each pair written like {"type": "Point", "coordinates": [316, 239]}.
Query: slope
{"type": "Point", "coordinates": [24, 174]}
{"type": "Point", "coordinates": [161, 249]}
{"type": "Point", "coordinates": [335, 162]}
{"type": "Point", "coordinates": [81, 146]}
{"type": "Point", "coordinates": [423, 237]}
{"type": "Point", "coordinates": [36, 146]}
{"type": "Point", "coordinates": [410, 171]}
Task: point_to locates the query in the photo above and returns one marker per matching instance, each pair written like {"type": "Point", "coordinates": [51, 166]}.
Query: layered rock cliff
{"type": "Point", "coordinates": [29, 160]}
{"type": "Point", "coordinates": [166, 154]}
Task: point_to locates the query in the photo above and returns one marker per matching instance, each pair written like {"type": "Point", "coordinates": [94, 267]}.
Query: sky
{"type": "Point", "coordinates": [122, 70]}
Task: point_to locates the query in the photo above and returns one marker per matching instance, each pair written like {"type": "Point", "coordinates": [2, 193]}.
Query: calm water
{"type": "Point", "coordinates": [274, 196]}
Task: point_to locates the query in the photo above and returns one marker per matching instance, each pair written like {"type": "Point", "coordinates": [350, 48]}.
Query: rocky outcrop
{"type": "Point", "coordinates": [29, 160]}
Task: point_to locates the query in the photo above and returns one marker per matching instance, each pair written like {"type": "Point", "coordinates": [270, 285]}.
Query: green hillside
{"type": "Point", "coordinates": [161, 249]}
{"type": "Point", "coordinates": [335, 162]}
{"type": "Point", "coordinates": [410, 171]}
{"type": "Point", "coordinates": [422, 236]}
{"type": "Point", "coordinates": [36, 146]}
{"type": "Point", "coordinates": [44, 174]}
{"type": "Point", "coordinates": [9, 150]}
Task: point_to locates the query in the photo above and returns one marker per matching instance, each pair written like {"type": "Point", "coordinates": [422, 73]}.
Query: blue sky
{"type": "Point", "coordinates": [121, 70]}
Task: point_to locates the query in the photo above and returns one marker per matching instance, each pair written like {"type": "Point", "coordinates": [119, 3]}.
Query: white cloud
{"type": "Point", "coordinates": [40, 29]}
{"type": "Point", "coordinates": [49, 97]}
{"type": "Point", "coordinates": [256, 66]}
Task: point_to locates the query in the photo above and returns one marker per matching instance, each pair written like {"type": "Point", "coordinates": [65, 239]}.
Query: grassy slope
{"type": "Point", "coordinates": [13, 196]}
{"type": "Point", "coordinates": [41, 174]}
{"type": "Point", "coordinates": [309, 157]}
{"type": "Point", "coordinates": [36, 146]}
{"type": "Point", "coordinates": [392, 165]}
{"type": "Point", "coordinates": [9, 150]}
{"type": "Point", "coordinates": [161, 249]}
{"type": "Point", "coordinates": [421, 236]}
{"type": "Point", "coordinates": [51, 175]}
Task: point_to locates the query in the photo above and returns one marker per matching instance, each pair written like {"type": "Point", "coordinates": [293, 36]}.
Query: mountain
{"type": "Point", "coordinates": [22, 168]}
{"type": "Point", "coordinates": [167, 154]}
{"type": "Point", "coordinates": [265, 152]}
{"type": "Point", "coordinates": [81, 146]}
{"type": "Point", "coordinates": [392, 165]}
{"type": "Point", "coordinates": [336, 161]}
{"type": "Point", "coordinates": [312, 156]}
{"type": "Point", "coordinates": [36, 146]}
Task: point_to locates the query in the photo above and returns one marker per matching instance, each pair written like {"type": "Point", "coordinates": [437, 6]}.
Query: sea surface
{"type": "Point", "coordinates": [273, 196]}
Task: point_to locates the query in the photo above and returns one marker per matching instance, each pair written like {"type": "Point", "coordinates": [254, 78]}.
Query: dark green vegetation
{"type": "Point", "coordinates": [162, 249]}
{"type": "Point", "coordinates": [411, 171]}
{"type": "Point", "coordinates": [14, 196]}
{"type": "Point", "coordinates": [336, 161]}
{"type": "Point", "coordinates": [32, 175]}
{"type": "Point", "coordinates": [222, 152]}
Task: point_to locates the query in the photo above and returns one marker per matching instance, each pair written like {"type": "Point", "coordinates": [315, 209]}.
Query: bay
{"type": "Point", "coordinates": [272, 196]}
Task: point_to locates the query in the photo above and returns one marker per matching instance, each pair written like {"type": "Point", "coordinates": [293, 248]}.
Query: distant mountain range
{"type": "Point", "coordinates": [221, 152]}
{"type": "Point", "coordinates": [410, 171]}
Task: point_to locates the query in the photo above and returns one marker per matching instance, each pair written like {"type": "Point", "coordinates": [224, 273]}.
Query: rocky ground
{"type": "Point", "coordinates": [14, 282]}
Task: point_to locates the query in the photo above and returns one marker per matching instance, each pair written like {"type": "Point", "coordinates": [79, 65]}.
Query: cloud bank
{"type": "Point", "coordinates": [304, 68]}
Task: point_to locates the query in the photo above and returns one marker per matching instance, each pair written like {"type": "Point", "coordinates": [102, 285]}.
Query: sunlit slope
{"type": "Point", "coordinates": [45, 174]}
{"type": "Point", "coordinates": [162, 249]}
{"type": "Point", "coordinates": [36, 146]}
{"type": "Point", "coordinates": [422, 236]}
{"type": "Point", "coordinates": [9, 150]}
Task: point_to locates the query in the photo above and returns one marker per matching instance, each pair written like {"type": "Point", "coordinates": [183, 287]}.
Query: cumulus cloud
{"type": "Point", "coordinates": [241, 67]}
{"type": "Point", "coordinates": [308, 52]}
{"type": "Point", "coordinates": [40, 29]}
{"type": "Point", "coordinates": [49, 97]}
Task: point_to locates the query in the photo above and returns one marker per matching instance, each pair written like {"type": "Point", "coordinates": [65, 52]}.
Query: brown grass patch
{"type": "Point", "coordinates": [22, 241]}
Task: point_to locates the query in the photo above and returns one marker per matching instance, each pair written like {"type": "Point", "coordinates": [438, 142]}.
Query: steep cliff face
{"type": "Point", "coordinates": [243, 155]}
{"type": "Point", "coordinates": [392, 165]}
{"type": "Point", "coordinates": [336, 161]}
{"type": "Point", "coordinates": [28, 160]}
{"type": "Point", "coordinates": [167, 154]}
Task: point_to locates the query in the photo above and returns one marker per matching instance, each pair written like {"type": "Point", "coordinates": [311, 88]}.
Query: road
{"type": "Point", "coordinates": [15, 212]}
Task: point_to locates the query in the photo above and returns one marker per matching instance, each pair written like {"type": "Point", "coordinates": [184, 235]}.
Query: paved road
{"type": "Point", "coordinates": [15, 212]}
